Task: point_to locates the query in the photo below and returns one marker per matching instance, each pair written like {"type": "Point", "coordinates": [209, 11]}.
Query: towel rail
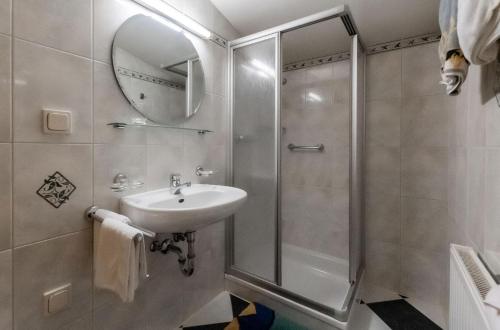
{"type": "Point", "coordinates": [318, 147]}
{"type": "Point", "coordinates": [90, 213]}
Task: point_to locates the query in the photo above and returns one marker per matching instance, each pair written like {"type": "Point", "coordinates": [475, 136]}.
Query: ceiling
{"type": "Point", "coordinates": [317, 40]}
{"type": "Point", "coordinates": [377, 20]}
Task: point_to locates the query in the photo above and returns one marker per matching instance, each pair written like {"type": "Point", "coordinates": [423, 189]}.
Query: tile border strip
{"type": "Point", "coordinates": [374, 49]}
{"type": "Point", "coordinates": [403, 43]}
{"type": "Point", "coordinates": [316, 61]}
{"type": "Point", "coordinates": [152, 79]}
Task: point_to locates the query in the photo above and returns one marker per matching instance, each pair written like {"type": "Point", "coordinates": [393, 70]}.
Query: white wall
{"type": "Point", "coordinates": [57, 54]}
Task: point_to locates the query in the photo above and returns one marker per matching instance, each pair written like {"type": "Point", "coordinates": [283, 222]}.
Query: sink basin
{"type": "Point", "coordinates": [195, 207]}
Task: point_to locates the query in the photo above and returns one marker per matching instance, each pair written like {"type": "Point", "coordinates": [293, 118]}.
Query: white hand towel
{"type": "Point", "coordinates": [492, 304]}
{"type": "Point", "coordinates": [119, 256]}
{"type": "Point", "coordinates": [478, 27]}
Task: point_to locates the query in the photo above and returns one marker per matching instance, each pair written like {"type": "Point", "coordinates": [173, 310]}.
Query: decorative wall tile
{"type": "Point", "coordinates": [409, 42]}
{"type": "Point", "coordinates": [49, 79]}
{"type": "Point", "coordinates": [316, 61]}
{"type": "Point", "coordinates": [5, 196]}
{"type": "Point", "coordinates": [56, 189]}
{"type": "Point", "coordinates": [35, 219]}
{"type": "Point", "coordinates": [5, 16]}
{"type": "Point", "coordinates": [45, 266]}
{"type": "Point", "coordinates": [6, 289]}
{"type": "Point", "coordinates": [5, 89]}
{"type": "Point", "coordinates": [61, 24]}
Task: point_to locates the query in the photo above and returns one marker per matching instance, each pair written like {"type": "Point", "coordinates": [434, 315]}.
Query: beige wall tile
{"type": "Point", "coordinates": [476, 113]}
{"type": "Point", "coordinates": [61, 24]}
{"type": "Point", "coordinates": [35, 219]}
{"type": "Point", "coordinates": [5, 196]}
{"type": "Point", "coordinates": [45, 266]}
{"type": "Point", "coordinates": [476, 201]}
{"type": "Point", "coordinates": [6, 289]}
{"type": "Point", "coordinates": [5, 89]}
{"type": "Point", "coordinates": [383, 264]}
{"type": "Point", "coordinates": [49, 79]}
{"type": "Point", "coordinates": [421, 71]}
{"type": "Point", "coordinates": [457, 185]}
{"type": "Point", "coordinates": [424, 224]}
{"type": "Point", "coordinates": [5, 16]}
{"type": "Point", "coordinates": [425, 121]}
{"type": "Point", "coordinates": [492, 227]}
{"type": "Point", "coordinates": [424, 172]}
{"type": "Point", "coordinates": [164, 160]}
{"type": "Point", "coordinates": [383, 217]}
{"type": "Point", "coordinates": [383, 169]}
{"type": "Point", "coordinates": [109, 160]}
{"type": "Point", "coordinates": [383, 127]}
{"type": "Point", "coordinates": [423, 275]}
{"type": "Point", "coordinates": [109, 15]}
{"type": "Point", "coordinates": [110, 105]}
{"type": "Point", "coordinates": [383, 76]}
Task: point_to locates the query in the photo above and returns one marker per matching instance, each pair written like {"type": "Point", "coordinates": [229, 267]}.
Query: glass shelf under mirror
{"type": "Point", "coordinates": [138, 125]}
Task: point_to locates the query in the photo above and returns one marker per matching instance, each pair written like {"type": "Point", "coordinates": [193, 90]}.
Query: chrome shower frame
{"type": "Point", "coordinates": [356, 181]}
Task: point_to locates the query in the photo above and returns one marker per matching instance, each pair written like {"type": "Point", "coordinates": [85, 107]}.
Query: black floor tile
{"type": "Point", "coordinates": [400, 315]}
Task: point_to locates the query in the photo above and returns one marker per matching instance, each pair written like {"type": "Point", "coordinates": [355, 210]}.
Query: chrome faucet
{"type": "Point", "coordinates": [176, 185]}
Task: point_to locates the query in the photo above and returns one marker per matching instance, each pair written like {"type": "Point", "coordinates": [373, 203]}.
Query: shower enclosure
{"type": "Point", "coordinates": [296, 96]}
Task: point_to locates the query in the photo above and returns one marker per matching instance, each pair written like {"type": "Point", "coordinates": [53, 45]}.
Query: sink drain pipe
{"type": "Point", "coordinates": [186, 262]}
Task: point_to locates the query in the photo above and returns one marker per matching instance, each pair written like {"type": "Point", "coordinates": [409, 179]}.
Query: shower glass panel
{"type": "Point", "coordinates": [315, 110]}
{"type": "Point", "coordinates": [255, 157]}
{"type": "Point", "coordinates": [296, 99]}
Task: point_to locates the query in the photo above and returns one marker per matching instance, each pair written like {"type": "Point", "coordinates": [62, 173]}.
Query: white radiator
{"type": "Point", "coordinates": [469, 284]}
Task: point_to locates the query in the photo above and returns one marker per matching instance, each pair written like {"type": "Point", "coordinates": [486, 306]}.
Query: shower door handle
{"type": "Point", "coordinates": [318, 147]}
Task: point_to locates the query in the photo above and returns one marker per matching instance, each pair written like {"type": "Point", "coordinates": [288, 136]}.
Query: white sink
{"type": "Point", "coordinates": [197, 206]}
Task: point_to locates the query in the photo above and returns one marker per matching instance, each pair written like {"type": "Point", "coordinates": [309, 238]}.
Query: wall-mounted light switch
{"type": "Point", "coordinates": [56, 121]}
{"type": "Point", "coordinates": [57, 300]}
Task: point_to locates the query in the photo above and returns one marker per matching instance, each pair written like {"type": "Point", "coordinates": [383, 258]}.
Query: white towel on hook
{"type": "Point", "coordinates": [119, 256]}
{"type": "Point", "coordinates": [478, 27]}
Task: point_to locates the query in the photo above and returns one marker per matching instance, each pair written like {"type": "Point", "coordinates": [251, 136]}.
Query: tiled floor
{"type": "Point", "coordinates": [364, 318]}
{"type": "Point", "coordinates": [220, 312]}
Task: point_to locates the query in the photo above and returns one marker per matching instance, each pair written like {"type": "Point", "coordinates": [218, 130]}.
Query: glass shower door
{"type": "Point", "coordinates": [254, 155]}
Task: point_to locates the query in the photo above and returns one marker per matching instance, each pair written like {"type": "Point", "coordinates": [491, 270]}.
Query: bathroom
{"type": "Point", "coordinates": [229, 164]}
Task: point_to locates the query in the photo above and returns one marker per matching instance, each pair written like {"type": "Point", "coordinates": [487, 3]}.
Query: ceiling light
{"type": "Point", "coordinates": [165, 22]}
{"type": "Point", "coordinates": [177, 17]}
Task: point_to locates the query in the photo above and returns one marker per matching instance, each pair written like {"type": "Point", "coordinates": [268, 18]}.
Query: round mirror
{"type": "Point", "coordinates": [158, 69]}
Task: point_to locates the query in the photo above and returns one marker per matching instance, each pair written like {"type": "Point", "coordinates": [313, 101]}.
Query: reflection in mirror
{"type": "Point", "coordinates": [158, 69]}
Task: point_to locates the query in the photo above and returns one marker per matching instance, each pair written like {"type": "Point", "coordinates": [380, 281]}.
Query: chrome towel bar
{"type": "Point", "coordinates": [318, 147]}
{"type": "Point", "coordinates": [90, 214]}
